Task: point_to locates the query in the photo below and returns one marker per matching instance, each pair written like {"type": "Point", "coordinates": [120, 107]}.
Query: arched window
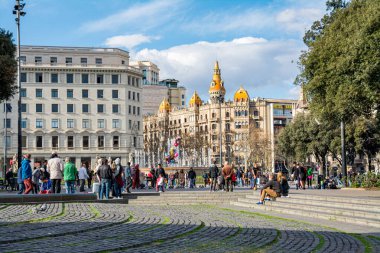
{"type": "Point", "coordinates": [227, 114]}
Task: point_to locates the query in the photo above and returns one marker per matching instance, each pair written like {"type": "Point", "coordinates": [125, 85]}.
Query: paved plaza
{"type": "Point", "coordinates": [113, 227]}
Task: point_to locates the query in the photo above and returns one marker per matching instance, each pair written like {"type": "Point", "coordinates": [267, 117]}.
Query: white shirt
{"type": "Point", "coordinates": [83, 173]}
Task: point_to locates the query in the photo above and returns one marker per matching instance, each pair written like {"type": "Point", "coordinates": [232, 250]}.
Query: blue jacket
{"type": "Point", "coordinates": [26, 169]}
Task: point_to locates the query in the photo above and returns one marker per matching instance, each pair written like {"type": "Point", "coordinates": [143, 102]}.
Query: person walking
{"type": "Point", "coordinates": [104, 174]}
{"type": "Point", "coordinates": [271, 188]}
{"type": "Point", "coordinates": [69, 175]}
{"type": "Point", "coordinates": [21, 186]}
{"type": "Point", "coordinates": [118, 177]}
{"type": "Point", "coordinates": [26, 173]}
{"type": "Point", "coordinates": [213, 171]}
{"type": "Point", "coordinates": [192, 176]}
{"type": "Point", "coordinates": [309, 175]}
{"type": "Point", "coordinates": [302, 177]}
{"type": "Point", "coordinates": [181, 178]}
{"type": "Point", "coordinates": [82, 175]}
{"type": "Point", "coordinates": [136, 177]}
{"type": "Point", "coordinates": [128, 177]}
{"type": "Point", "coordinates": [90, 174]}
{"type": "Point", "coordinates": [55, 168]}
{"type": "Point", "coordinates": [227, 175]}
{"type": "Point", "coordinates": [205, 178]}
{"type": "Point", "coordinates": [36, 179]}
{"type": "Point", "coordinates": [296, 174]}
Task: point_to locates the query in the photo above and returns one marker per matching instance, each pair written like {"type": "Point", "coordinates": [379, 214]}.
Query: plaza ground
{"type": "Point", "coordinates": [169, 225]}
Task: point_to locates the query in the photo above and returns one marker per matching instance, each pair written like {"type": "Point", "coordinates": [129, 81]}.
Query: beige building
{"type": "Point", "coordinates": [242, 131]}
{"type": "Point", "coordinates": [80, 102]}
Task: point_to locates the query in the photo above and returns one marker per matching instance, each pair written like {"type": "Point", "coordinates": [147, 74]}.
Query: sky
{"type": "Point", "coordinates": [257, 42]}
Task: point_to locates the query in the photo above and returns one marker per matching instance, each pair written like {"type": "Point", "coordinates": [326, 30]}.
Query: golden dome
{"type": "Point", "coordinates": [241, 95]}
{"type": "Point", "coordinates": [195, 100]}
{"type": "Point", "coordinates": [164, 106]}
{"type": "Point", "coordinates": [217, 82]}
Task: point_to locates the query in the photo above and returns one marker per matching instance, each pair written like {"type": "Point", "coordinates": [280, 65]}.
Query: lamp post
{"type": "Point", "coordinates": [18, 11]}
{"type": "Point", "coordinates": [343, 137]}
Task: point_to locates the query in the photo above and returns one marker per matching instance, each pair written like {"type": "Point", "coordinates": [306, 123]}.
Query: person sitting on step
{"type": "Point", "coordinates": [271, 188]}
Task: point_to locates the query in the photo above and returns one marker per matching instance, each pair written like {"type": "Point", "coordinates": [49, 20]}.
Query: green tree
{"type": "Point", "coordinates": [8, 65]}
{"type": "Point", "coordinates": [341, 69]}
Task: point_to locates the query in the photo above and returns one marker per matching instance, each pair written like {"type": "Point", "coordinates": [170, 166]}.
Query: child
{"type": "Point", "coordinates": [160, 184]}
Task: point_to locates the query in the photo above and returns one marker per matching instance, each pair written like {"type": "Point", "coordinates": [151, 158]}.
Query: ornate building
{"type": "Point", "coordinates": [242, 131]}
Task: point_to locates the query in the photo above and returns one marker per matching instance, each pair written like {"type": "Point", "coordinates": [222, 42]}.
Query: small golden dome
{"type": "Point", "coordinates": [164, 106]}
{"type": "Point", "coordinates": [195, 100]}
{"type": "Point", "coordinates": [217, 82]}
{"type": "Point", "coordinates": [241, 95]}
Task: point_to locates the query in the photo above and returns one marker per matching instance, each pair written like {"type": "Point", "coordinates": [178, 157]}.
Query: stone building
{"type": "Point", "coordinates": [242, 131]}
{"type": "Point", "coordinates": [80, 102]}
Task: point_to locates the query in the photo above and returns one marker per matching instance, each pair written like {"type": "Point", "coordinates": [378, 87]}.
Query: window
{"type": "Point", "coordinates": [115, 123]}
{"type": "Point", "coordinates": [54, 78]}
{"type": "Point", "coordinates": [69, 78]}
{"type": "Point", "coordinates": [85, 142]}
{"type": "Point", "coordinates": [54, 123]}
{"type": "Point", "coordinates": [98, 61]}
{"type": "Point", "coordinates": [84, 78]}
{"type": "Point", "coordinates": [38, 77]}
{"type": "Point", "coordinates": [99, 78]}
{"type": "Point", "coordinates": [54, 108]}
{"type": "Point", "coordinates": [129, 94]}
{"type": "Point", "coordinates": [100, 108]}
{"type": "Point", "coordinates": [138, 125]}
{"type": "Point", "coordinates": [24, 123]}
{"type": "Point", "coordinates": [115, 108]}
{"type": "Point", "coordinates": [23, 77]}
{"type": "Point", "coordinates": [115, 94]}
{"type": "Point", "coordinates": [115, 142]}
{"type": "Point", "coordinates": [183, 96]}
{"type": "Point", "coordinates": [130, 124]}
{"type": "Point", "coordinates": [39, 141]}
{"type": "Point", "coordinates": [54, 141]}
{"type": "Point", "coordinates": [122, 62]}
{"type": "Point", "coordinates": [100, 141]}
{"type": "Point", "coordinates": [138, 110]}
{"type": "Point", "coordinates": [23, 59]}
{"type": "Point", "coordinates": [255, 113]}
{"type": "Point", "coordinates": [69, 60]}
{"type": "Point", "coordinates": [100, 123]}
{"type": "Point", "coordinates": [84, 93]}
{"type": "Point", "coordinates": [83, 61]}
{"type": "Point", "coordinates": [70, 142]}
{"type": "Point", "coordinates": [100, 93]}
{"type": "Point", "coordinates": [70, 123]}
{"type": "Point", "coordinates": [7, 124]}
{"type": "Point", "coordinates": [39, 123]}
{"type": "Point", "coordinates": [85, 123]}
{"type": "Point", "coordinates": [38, 93]}
{"type": "Point", "coordinates": [70, 108]}
{"type": "Point", "coordinates": [133, 95]}
{"type": "Point", "coordinates": [70, 93]}
{"type": "Point", "coordinates": [38, 60]}
{"type": "Point", "coordinates": [23, 141]}
{"type": "Point", "coordinates": [85, 108]}
{"type": "Point", "coordinates": [129, 80]}
{"type": "Point", "coordinates": [53, 60]}
{"type": "Point", "coordinates": [134, 110]}
{"type": "Point", "coordinates": [38, 107]}
{"type": "Point", "coordinates": [54, 93]}
{"type": "Point", "coordinates": [23, 93]}
{"type": "Point", "coordinates": [115, 79]}
{"type": "Point", "coordinates": [134, 141]}
{"type": "Point", "coordinates": [138, 96]}
{"type": "Point", "coordinates": [23, 107]}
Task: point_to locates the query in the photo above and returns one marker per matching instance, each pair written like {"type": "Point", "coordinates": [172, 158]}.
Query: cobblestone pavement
{"type": "Point", "coordinates": [107, 227]}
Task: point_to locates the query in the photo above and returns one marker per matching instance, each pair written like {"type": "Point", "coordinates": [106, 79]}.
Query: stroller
{"type": "Point", "coordinates": [45, 187]}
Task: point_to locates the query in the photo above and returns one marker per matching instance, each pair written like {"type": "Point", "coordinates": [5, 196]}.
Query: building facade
{"type": "Point", "coordinates": [242, 131]}
{"type": "Point", "coordinates": [154, 94]}
{"type": "Point", "coordinates": [79, 102]}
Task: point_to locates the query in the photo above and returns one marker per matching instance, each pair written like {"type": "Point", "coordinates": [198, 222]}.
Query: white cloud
{"type": "Point", "coordinates": [146, 15]}
{"type": "Point", "coordinates": [260, 65]}
{"type": "Point", "coordinates": [129, 41]}
{"type": "Point", "coordinates": [298, 20]}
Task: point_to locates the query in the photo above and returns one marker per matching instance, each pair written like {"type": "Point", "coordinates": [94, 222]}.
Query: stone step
{"type": "Point", "coordinates": [315, 214]}
{"type": "Point", "coordinates": [343, 210]}
{"type": "Point", "coordinates": [327, 199]}
{"type": "Point", "coordinates": [181, 202]}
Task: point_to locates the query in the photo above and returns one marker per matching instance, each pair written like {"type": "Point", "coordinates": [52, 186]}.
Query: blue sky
{"type": "Point", "coordinates": [257, 42]}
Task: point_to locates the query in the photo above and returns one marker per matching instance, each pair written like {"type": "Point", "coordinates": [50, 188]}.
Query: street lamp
{"type": "Point", "coordinates": [18, 11]}
{"type": "Point", "coordinates": [220, 99]}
